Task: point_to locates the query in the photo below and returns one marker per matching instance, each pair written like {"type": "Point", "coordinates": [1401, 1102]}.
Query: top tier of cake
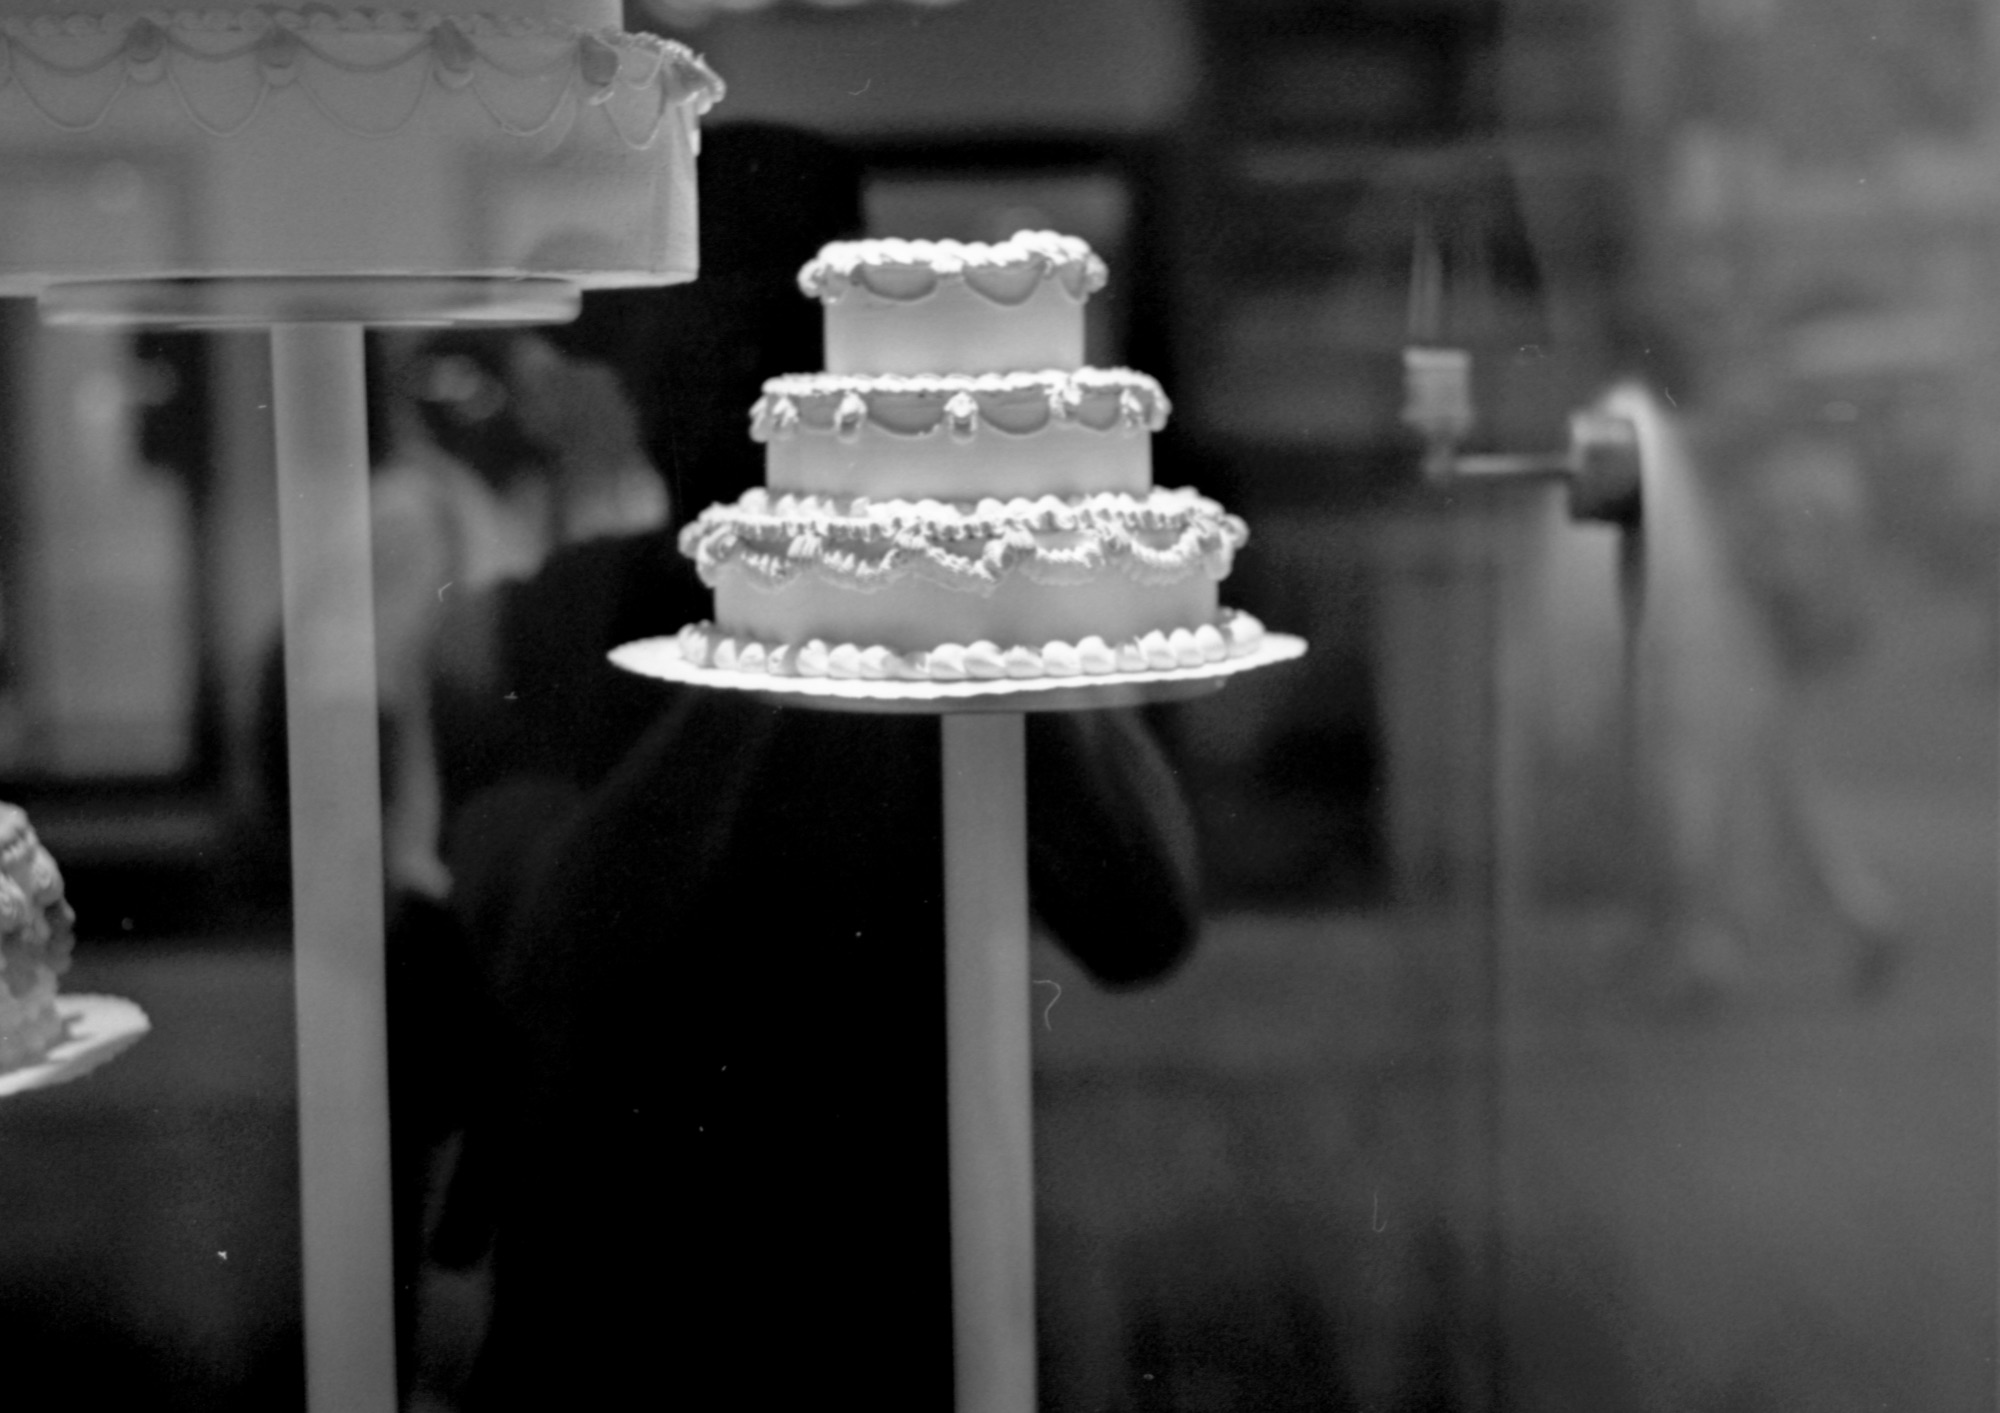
{"type": "Point", "coordinates": [946, 306]}
{"type": "Point", "coordinates": [584, 14]}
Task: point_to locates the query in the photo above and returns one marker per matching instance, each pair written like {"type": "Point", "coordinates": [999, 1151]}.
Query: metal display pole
{"type": "Point", "coordinates": [988, 1061]}
{"type": "Point", "coordinates": [320, 416]}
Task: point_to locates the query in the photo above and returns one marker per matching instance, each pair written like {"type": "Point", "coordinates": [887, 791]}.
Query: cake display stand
{"type": "Point", "coordinates": [95, 1029]}
{"type": "Point", "coordinates": [987, 983]}
{"type": "Point", "coordinates": [319, 414]}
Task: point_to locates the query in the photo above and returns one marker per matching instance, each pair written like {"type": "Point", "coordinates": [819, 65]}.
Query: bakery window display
{"type": "Point", "coordinates": [958, 497]}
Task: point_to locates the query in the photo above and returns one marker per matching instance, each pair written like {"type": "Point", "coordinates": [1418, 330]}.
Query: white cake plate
{"type": "Point", "coordinates": [662, 658]}
{"type": "Point", "coordinates": [95, 1029]}
{"type": "Point", "coordinates": [988, 1035]}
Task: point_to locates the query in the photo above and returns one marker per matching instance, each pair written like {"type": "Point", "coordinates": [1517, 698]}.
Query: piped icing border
{"type": "Point", "coordinates": [527, 73]}
{"type": "Point", "coordinates": [1162, 538]}
{"type": "Point", "coordinates": [919, 404]}
{"type": "Point", "coordinates": [1232, 634]}
{"type": "Point", "coordinates": [1005, 272]}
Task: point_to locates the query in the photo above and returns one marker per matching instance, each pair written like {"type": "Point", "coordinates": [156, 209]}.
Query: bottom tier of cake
{"type": "Point", "coordinates": [914, 613]}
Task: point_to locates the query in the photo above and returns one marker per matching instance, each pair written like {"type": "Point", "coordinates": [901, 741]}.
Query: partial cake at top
{"type": "Point", "coordinates": [437, 138]}
{"type": "Point", "coordinates": [957, 494]}
{"type": "Point", "coordinates": [584, 14]}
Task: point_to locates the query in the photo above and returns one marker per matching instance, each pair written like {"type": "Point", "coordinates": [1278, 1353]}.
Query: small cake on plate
{"type": "Point", "coordinates": [35, 940]}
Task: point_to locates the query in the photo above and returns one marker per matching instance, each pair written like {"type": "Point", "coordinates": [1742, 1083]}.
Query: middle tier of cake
{"type": "Point", "coordinates": [1074, 432]}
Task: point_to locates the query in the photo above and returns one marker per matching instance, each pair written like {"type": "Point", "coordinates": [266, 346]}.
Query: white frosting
{"type": "Point", "coordinates": [1065, 459]}
{"type": "Point", "coordinates": [911, 269]}
{"type": "Point", "coordinates": [918, 404]}
{"type": "Point", "coordinates": [903, 306]}
{"type": "Point", "coordinates": [264, 140]}
{"type": "Point", "coordinates": [955, 327]}
{"type": "Point", "coordinates": [914, 612]}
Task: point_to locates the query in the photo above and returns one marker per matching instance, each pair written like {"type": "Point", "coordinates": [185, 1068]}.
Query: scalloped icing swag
{"type": "Point", "coordinates": [1161, 540]}
{"type": "Point", "coordinates": [919, 404]}
{"type": "Point", "coordinates": [74, 68]}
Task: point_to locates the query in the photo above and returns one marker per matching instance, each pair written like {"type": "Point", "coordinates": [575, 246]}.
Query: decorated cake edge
{"type": "Point", "coordinates": [1005, 272]}
{"type": "Point", "coordinates": [1232, 634]}
{"type": "Point", "coordinates": [75, 69]}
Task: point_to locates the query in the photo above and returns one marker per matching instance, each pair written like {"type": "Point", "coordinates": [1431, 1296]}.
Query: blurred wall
{"type": "Point", "coordinates": [980, 66]}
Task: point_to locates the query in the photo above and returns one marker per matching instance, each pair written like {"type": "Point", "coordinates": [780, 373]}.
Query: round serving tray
{"type": "Point", "coordinates": [661, 658]}
{"type": "Point", "coordinates": [96, 1029]}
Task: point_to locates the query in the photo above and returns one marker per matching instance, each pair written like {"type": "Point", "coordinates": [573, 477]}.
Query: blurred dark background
{"type": "Point", "coordinates": [1421, 1127]}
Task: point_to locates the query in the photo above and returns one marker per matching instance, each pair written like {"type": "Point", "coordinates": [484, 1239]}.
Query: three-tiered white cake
{"type": "Point", "coordinates": [958, 495]}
